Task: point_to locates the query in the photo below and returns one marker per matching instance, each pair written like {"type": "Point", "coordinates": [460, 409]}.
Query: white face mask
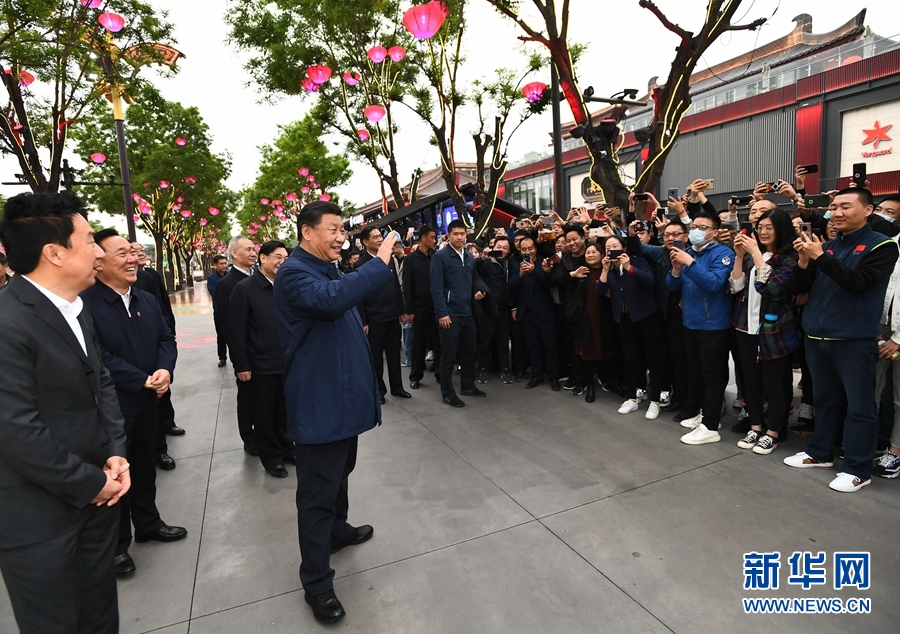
{"type": "Point", "coordinates": [885, 216]}
{"type": "Point", "coordinates": [697, 237]}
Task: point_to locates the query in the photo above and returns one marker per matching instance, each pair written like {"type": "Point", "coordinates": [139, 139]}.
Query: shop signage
{"type": "Point", "coordinates": [867, 137]}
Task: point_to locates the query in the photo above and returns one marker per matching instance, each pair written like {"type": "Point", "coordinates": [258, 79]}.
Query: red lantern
{"type": "Point", "coordinates": [213, 211]}
{"type": "Point", "coordinates": [374, 113]}
{"type": "Point", "coordinates": [425, 20]}
{"type": "Point", "coordinates": [312, 179]}
{"type": "Point", "coordinates": [309, 85]}
{"type": "Point", "coordinates": [25, 78]}
{"type": "Point", "coordinates": [304, 189]}
{"type": "Point", "coordinates": [377, 54]}
{"type": "Point", "coordinates": [112, 22]}
{"type": "Point", "coordinates": [363, 135]}
{"type": "Point", "coordinates": [264, 201]}
{"type": "Point", "coordinates": [204, 222]}
{"type": "Point", "coordinates": [324, 197]}
{"type": "Point", "coordinates": [98, 158]}
{"type": "Point", "coordinates": [190, 180]}
{"type": "Point", "coordinates": [185, 214]}
{"type": "Point", "coordinates": [534, 91]}
{"type": "Point", "coordinates": [176, 207]}
{"type": "Point", "coordinates": [303, 171]}
{"type": "Point", "coordinates": [396, 53]}
{"type": "Point", "coordinates": [92, 4]}
{"type": "Point", "coordinates": [352, 78]}
{"type": "Point", "coordinates": [318, 73]}
{"type": "Point", "coordinates": [179, 199]}
{"type": "Point", "coordinates": [292, 197]}
{"type": "Point", "coordinates": [263, 218]}
{"type": "Point", "coordinates": [180, 141]}
{"type": "Point", "coordinates": [163, 184]}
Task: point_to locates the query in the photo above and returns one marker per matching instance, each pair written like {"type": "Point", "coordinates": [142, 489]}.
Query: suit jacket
{"type": "Point", "coordinates": [253, 329]}
{"type": "Point", "coordinates": [133, 347]}
{"type": "Point", "coordinates": [60, 418]}
{"type": "Point", "coordinates": [224, 288]}
{"type": "Point", "coordinates": [417, 284]}
{"type": "Point", "coordinates": [384, 305]}
{"type": "Point", "coordinates": [532, 291]}
{"type": "Point", "coordinates": [152, 282]}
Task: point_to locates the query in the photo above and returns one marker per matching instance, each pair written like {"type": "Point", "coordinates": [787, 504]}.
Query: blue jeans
{"type": "Point", "coordinates": [407, 343]}
{"type": "Point", "coordinates": [844, 372]}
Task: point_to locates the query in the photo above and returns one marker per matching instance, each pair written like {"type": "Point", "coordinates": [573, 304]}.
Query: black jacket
{"type": "Point", "coordinates": [497, 275]}
{"type": "Point", "coordinates": [133, 347]}
{"type": "Point", "coordinates": [384, 304]}
{"type": "Point", "coordinates": [532, 293]}
{"type": "Point", "coordinates": [151, 281]}
{"type": "Point", "coordinates": [417, 283]}
{"type": "Point", "coordinates": [223, 301]}
{"type": "Point", "coordinates": [253, 328]}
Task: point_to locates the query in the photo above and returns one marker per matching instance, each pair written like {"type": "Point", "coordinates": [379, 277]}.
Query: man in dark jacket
{"type": "Point", "coordinates": [256, 355]}
{"type": "Point", "coordinates": [220, 269]}
{"type": "Point", "coordinates": [62, 437]}
{"type": "Point", "coordinates": [496, 270]}
{"type": "Point", "coordinates": [330, 386]}
{"type": "Point", "coordinates": [453, 282]}
{"type": "Point", "coordinates": [140, 352]}
{"type": "Point", "coordinates": [381, 313]}
{"type": "Point", "coordinates": [420, 305]}
{"type": "Point", "coordinates": [243, 257]}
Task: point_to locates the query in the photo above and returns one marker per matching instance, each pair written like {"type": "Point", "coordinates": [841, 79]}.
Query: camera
{"type": "Point", "coordinates": [614, 254]}
{"type": "Point", "coordinates": [640, 226]}
{"type": "Point", "coordinates": [739, 201]}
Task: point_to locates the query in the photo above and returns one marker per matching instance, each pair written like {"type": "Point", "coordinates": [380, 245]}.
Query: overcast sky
{"type": "Point", "coordinates": [626, 47]}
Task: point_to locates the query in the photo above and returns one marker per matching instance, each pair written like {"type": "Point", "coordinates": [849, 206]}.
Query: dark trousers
{"type": "Point", "coordinates": [457, 347]}
{"type": "Point", "coordinates": [541, 339]}
{"type": "Point", "coordinates": [806, 389]}
{"type": "Point", "coordinates": [565, 344]}
{"type": "Point", "coordinates": [494, 330]}
{"type": "Point", "coordinates": [166, 421]}
{"type": "Point", "coordinates": [843, 372]}
{"type": "Point", "coordinates": [66, 584]}
{"type": "Point", "coordinates": [245, 412]}
{"type": "Point", "coordinates": [706, 356]}
{"type": "Point", "coordinates": [384, 341]}
{"type": "Point", "coordinates": [677, 357]}
{"type": "Point", "coordinates": [643, 346]}
{"type": "Point", "coordinates": [425, 337]}
{"type": "Point", "coordinates": [322, 505]}
{"type": "Point", "coordinates": [270, 418]}
{"type": "Point", "coordinates": [221, 347]}
{"type": "Point", "coordinates": [138, 506]}
{"type": "Point", "coordinates": [764, 381]}
{"type": "Point", "coordinates": [519, 346]}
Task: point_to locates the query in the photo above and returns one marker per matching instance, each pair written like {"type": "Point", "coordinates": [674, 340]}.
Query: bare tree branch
{"type": "Point", "coordinates": [746, 27]}
{"type": "Point", "coordinates": [655, 10]}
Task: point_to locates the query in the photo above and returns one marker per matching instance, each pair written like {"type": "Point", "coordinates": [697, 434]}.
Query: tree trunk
{"type": "Point", "coordinates": [158, 240]}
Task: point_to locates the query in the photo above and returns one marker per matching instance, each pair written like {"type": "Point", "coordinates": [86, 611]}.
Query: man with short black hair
{"type": "Point", "coordinates": [58, 481]}
{"type": "Point", "coordinates": [5, 277]}
{"type": "Point", "coordinates": [496, 271]}
{"type": "Point", "coordinates": [220, 268]}
{"type": "Point", "coordinates": [420, 305]}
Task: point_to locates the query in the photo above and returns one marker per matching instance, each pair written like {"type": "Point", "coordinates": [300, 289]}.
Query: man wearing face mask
{"type": "Point", "coordinates": [700, 273]}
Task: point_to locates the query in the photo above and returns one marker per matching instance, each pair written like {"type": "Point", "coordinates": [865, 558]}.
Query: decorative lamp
{"type": "Point", "coordinates": [377, 54]}
{"type": "Point", "coordinates": [352, 78]}
{"type": "Point", "coordinates": [325, 197]}
{"type": "Point", "coordinates": [204, 222]}
{"type": "Point", "coordinates": [303, 171]}
{"type": "Point", "coordinates": [363, 134]}
{"type": "Point", "coordinates": [190, 180]}
{"type": "Point", "coordinates": [264, 201]}
{"type": "Point", "coordinates": [304, 190]}
{"type": "Point", "coordinates": [291, 198]}
{"type": "Point", "coordinates": [213, 211]}
{"type": "Point", "coordinates": [534, 91]}
{"type": "Point", "coordinates": [92, 4]}
{"type": "Point", "coordinates": [309, 85]}
{"type": "Point", "coordinates": [185, 214]}
{"type": "Point", "coordinates": [263, 218]}
{"type": "Point", "coordinates": [374, 113]}
{"type": "Point", "coordinates": [425, 20]}
{"type": "Point", "coordinates": [318, 73]}
{"type": "Point", "coordinates": [112, 22]}
{"type": "Point", "coordinates": [163, 184]}
{"type": "Point", "coordinates": [311, 179]}
{"type": "Point", "coordinates": [396, 53]}
{"type": "Point", "coordinates": [98, 158]}
{"type": "Point", "coordinates": [180, 141]}
{"type": "Point", "coordinates": [25, 78]}
{"type": "Point", "coordinates": [277, 203]}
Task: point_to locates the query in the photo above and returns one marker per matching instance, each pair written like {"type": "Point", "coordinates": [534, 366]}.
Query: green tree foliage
{"type": "Point", "coordinates": [180, 193]}
{"type": "Point", "coordinates": [57, 44]}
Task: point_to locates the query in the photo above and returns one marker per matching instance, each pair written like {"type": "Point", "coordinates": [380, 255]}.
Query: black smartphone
{"type": "Point", "coordinates": [526, 257]}
{"type": "Point", "coordinates": [817, 201]}
{"type": "Point", "coordinates": [614, 253]}
{"type": "Point", "coordinates": [810, 169]}
{"type": "Point", "coordinates": [660, 213]}
{"type": "Point", "coordinates": [642, 196]}
{"type": "Point", "coordinates": [679, 244]}
{"type": "Point", "coordinates": [496, 254]}
{"type": "Point", "coordinates": [747, 228]}
{"type": "Point", "coordinates": [859, 174]}
{"type": "Point", "coordinates": [673, 193]}
{"type": "Point", "coordinates": [740, 201]}
{"type": "Point", "coordinates": [640, 226]}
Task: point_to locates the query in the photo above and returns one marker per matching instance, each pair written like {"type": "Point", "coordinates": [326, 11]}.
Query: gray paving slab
{"type": "Point", "coordinates": [197, 416]}
{"type": "Point", "coordinates": [520, 580]}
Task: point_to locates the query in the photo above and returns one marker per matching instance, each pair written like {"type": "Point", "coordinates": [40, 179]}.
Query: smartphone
{"type": "Point", "coordinates": [710, 183]}
{"type": "Point", "coordinates": [740, 201]}
{"type": "Point", "coordinates": [660, 213]}
{"type": "Point", "coordinates": [678, 244]}
{"type": "Point", "coordinates": [526, 257]}
{"type": "Point", "coordinates": [554, 259]}
{"type": "Point", "coordinates": [547, 234]}
{"type": "Point", "coordinates": [673, 193]}
{"type": "Point", "coordinates": [806, 227]}
{"type": "Point", "coordinates": [496, 254]}
{"type": "Point", "coordinates": [614, 254]}
{"type": "Point", "coordinates": [642, 196]}
{"type": "Point", "coordinates": [810, 169]}
{"type": "Point", "coordinates": [594, 232]}
{"type": "Point", "coordinates": [774, 185]}
{"type": "Point", "coordinates": [639, 226]}
{"type": "Point", "coordinates": [747, 228]}
{"type": "Point", "coordinates": [522, 224]}
{"type": "Point", "coordinates": [859, 174]}
{"type": "Point", "coordinates": [817, 201]}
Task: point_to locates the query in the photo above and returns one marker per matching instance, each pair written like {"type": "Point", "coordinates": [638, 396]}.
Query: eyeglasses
{"type": "Point", "coordinates": [702, 228]}
{"type": "Point", "coordinates": [670, 234]}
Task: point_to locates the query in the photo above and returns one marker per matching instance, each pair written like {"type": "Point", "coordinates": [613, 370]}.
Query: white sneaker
{"type": "Point", "coordinates": [803, 460]}
{"type": "Point", "coordinates": [641, 395]}
{"type": "Point", "coordinates": [429, 356]}
{"type": "Point", "coordinates": [737, 403]}
{"type": "Point", "coordinates": [848, 483]}
{"type": "Point", "coordinates": [664, 398]}
{"type": "Point", "coordinates": [629, 406]}
{"type": "Point", "coordinates": [652, 411]}
{"type": "Point", "coordinates": [691, 423]}
{"type": "Point", "coordinates": [700, 436]}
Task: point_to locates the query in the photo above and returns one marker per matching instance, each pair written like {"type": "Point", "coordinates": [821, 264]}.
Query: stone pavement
{"type": "Point", "coordinates": [524, 512]}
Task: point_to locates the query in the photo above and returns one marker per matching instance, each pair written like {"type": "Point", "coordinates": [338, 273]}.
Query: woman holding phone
{"type": "Point", "coordinates": [764, 319]}
{"type": "Point", "coordinates": [630, 284]}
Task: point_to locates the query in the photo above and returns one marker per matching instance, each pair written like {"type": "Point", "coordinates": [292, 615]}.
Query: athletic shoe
{"type": "Point", "coordinates": [664, 398]}
{"type": "Point", "coordinates": [743, 414]}
{"type": "Point", "coordinates": [749, 441]}
{"type": "Point", "coordinates": [483, 375]}
{"type": "Point", "coordinates": [766, 445]}
{"type": "Point", "coordinates": [570, 383]}
{"type": "Point", "coordinates": [848, 483]}
{"type": "Point", "coordinates": [578, 390]}
{"type": "Point", "coordinates": [631, 405]}
{"type": "Point", "coordinates": [691, 423]}
{"type": "Point", "coordinates": [641, 395]}
{"type": "Point", "coordinates": [806, 414]}
{"type": "Point", "coordinates": [505, 376]}
{"type": "Point", "coordinates": [803, 460]}
{"type": "Point", "coordinates": [888, 466]}
{"type": "Point", "coordinates": [700, 436]}
{"type": "Point", "coordinates": [652, 411]}
{"type": "Point", "coordinates": [738, 403]}
{"type": "Point", "coordinates": [429, 356]}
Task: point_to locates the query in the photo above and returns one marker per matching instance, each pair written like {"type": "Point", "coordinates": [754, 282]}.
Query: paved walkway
{"type": "Point", "coordinates": [524, 512]}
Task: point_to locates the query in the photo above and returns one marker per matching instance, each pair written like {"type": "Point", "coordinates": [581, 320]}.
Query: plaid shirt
{"type": "Point", "coordinates": [778, 338]}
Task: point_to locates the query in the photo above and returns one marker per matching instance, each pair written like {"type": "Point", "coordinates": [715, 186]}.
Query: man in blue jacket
{"type": "Point", "coordinates": [700, 273]}
{"type": "Point", "coordinates": [453, 279]}
{"type": "Point", "coordinates": [331, 391]}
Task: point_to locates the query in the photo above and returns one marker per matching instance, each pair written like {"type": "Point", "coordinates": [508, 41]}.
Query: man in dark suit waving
{"type": "Point", "coordinates": [62, 437]}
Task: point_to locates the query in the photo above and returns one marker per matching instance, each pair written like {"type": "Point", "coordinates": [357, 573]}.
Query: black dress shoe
{"type": "Point", "coordinates": [453, 401]}
{"type": "Point", "coordinates": [554, 385]}
{"type": "Point", "coordinates": [359, 535]}
{"type": "Point", "coordinates": [414, 385]}
{"type": "Point", "coordinates": [401, 394]}
{"type": "Point", "coordinates": [253, 450]}
{"type": "Point", "coordinates": [164, 534]}
{"type": "Point", "coordinates": [590, 393]}
{"type": "Point", "coordinates": [290, 457]}
{"type": "Point", "coordinates": [326, 607]}
{"type": "Point", "coordinates": [533, 383]}
{"type": "Point", "coordinates": [124, 566]}
{"type": "Point", "coordinates": [221, 363]}
{"type": "Point", "coordinates": [472, 391]}
{"type": "Point", "coordinates": [278, 471]}
{"type": "Point", "coordinates": [521, 375]}
{"type": "Point", "coordinates": [382, 399]}
{"type": "Point", "coordinates": [673, 406]}
{"type": "Point", "coordinates": [165, 462]}
{"type": "Point", "coordinates": [174, 430]}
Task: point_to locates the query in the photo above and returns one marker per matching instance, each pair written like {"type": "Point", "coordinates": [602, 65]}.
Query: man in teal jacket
{"type": "Point", "coordinates": [330, 389]}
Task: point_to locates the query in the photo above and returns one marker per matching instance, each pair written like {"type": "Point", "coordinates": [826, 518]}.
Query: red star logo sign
{"type": "Point", "coordinates": [877, 134]}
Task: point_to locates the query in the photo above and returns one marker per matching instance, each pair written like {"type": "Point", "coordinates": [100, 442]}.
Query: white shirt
{"type": "Point", "coordinates": [126, 299]}
{"type": "Point", "coordinates": [69, 310]}
{"type": "Point", "coordinates": [754, 299]}
{"type": "Point", "coordinates": [461, 253]}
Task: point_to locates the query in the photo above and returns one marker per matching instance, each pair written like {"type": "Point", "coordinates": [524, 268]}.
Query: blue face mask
{"type": "Point", "coordinates": [697, 237]}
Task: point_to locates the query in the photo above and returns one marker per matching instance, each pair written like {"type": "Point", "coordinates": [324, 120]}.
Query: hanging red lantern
{"type": "Point", "coordinates": [352, 78]}
{"type": "Point", "coordinates": [277, 203]}
{"type": "Point", "coordinates": [98, 158]}
{"type": "Point", "coordinates": [92, 4]}
{"type": "Point", "coordinates": [425, 20]}
{"type": "Point", "coordinates": [304, 190]}
{"type": "Point", "coordinates": [204, 222]}
{"type": "Point", "coordinates": [185, 214]}
{"type": "Point", "coordinates": [309, 85]}
{"type": "Point", "coordinates": [324, 197]}
{"type": "Point", "coordinates": [534, 91]}
{"type": "Point", "coordinates": [291, 198]}
{"type": "Point", "coordinates": [396, 53]}
{"type": "Point", "coordinates": [179, 199]}
{"type": "Point", "coordinates": [303, 171]}
{"type": "Point", "coordinates": [213, 211]}
{"type": "Point", "coordinates": [318, 73]}
{"type": "Point", "coordinates": [163, 184]}
{"type": "Point", "coordinates": [263, 218]}
{"type": "Point", "coordinates": [377, 54]}
{"type": "Point", "coordinates": [112, 22]}
{"type": "Point", "coordinates": [363, 134]}
{"type": "Point", "coordinates": [264, 201]}
{"type": "Point", "coordinates": [312, 179]}
{"type": "Point", "coordinates": [25, 78]}
{"type": "Point", "coordinates": [190, 180]}
{"type": "Point", "coordinates": [176, 207]}
{"type": "Point", "coordinates": [180, 141]}
{"type": "Point", "coordinates": [374, 113]}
